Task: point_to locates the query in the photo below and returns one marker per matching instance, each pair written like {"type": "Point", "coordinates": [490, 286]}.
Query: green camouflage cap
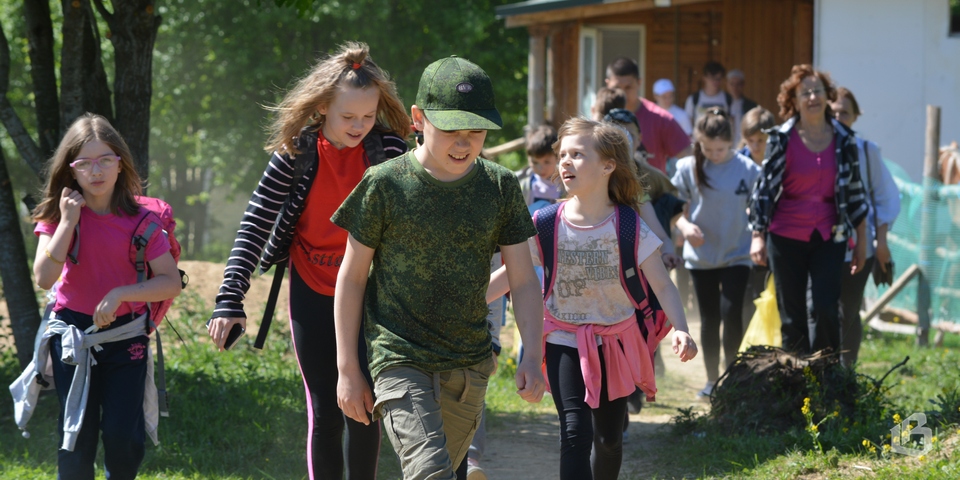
{"type": "Point", "coordinates": [456, 94]}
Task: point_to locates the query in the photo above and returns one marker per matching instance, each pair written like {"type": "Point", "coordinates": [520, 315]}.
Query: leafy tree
{"type": "Point", "coordinates": [217, 65]}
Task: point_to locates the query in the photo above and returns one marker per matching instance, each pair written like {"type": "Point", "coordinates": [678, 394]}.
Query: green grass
{"type": "Point", "coordinates": [241, 415]}
{"type": "Point", "coordinates": [931, 372]}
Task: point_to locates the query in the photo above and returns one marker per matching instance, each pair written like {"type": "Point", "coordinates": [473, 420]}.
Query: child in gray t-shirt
{"type": "Point", "coordinates": [716, 183]}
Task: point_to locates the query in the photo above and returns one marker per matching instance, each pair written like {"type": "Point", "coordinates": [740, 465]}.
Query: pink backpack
{"type": "Point", "coordinates": [159, 215]}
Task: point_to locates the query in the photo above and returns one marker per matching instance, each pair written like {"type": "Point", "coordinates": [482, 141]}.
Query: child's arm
{"type": "Point", "coordinates": [668, 254]}
{"type": "Point", "coordinates": [499, 284]}
{"type": "Point", "coordinates": [353, 393]}
{"type": "Point", "coordinates": [528, 309]}
{"type": "Point", "coordinates": [691, 232]}
{"type": "Point", "coordinates": [683, 344]}
{"type": "Point", "coordinates": [164, 284]}
{"type": "Point", "coordinates": [52, 249]}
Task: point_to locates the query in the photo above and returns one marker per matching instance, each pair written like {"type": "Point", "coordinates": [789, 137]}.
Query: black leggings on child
{"type": "Point", "coordinates": [591, 440]}
{"type": "Point", "coordinates": [720, 294]}
{"type": "Point", "coordinates": [311, 321]}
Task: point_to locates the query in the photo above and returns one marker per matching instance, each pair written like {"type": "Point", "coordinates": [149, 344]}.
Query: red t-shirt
{"type": "Point", "coordinates": [103, 261]}
{"type": "Point", "coordinates": [807, 201]}
{"type": "Point", "coordinates": [318, 245]}
{"type": "Point", "coordinates": [662, 135]}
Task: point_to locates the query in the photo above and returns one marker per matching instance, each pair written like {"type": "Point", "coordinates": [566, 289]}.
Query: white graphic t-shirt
{"type": "Point", "coordinates": [587, 286]}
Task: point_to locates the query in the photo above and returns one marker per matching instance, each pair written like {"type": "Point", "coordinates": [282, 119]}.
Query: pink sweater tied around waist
{"type": "Point", "coordinates": [628, 362]}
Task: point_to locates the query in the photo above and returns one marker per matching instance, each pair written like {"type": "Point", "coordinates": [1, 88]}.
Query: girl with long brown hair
{"type": "Point", "coordinates": [338, 120]}
{"type": "Point", "coordinates": [716, 183]}
{"type": "Point", "coordinates": [92, 187]}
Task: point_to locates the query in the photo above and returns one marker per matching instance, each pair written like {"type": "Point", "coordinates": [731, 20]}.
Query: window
{"type": "Point", "coordinates": [600, 45]}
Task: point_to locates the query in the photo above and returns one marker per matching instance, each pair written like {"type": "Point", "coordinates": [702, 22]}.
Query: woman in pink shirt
{"type": "Point", "coordinates": [804, 209]}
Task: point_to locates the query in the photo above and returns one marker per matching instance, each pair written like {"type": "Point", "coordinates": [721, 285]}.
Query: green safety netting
{"type": "Point", "coordinates": [942, 267]}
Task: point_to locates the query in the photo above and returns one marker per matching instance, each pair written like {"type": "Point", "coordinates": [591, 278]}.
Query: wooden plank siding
{"type": "Point", "coordinates": [764, 38]}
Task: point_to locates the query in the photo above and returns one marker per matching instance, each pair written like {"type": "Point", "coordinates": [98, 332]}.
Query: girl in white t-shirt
{"type": "Point", "coordinates": [595, 355]}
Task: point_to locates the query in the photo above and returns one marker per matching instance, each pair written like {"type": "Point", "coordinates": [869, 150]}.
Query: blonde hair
{"type": "Point", "coordinates": [611, 143]}
{"type": "Point", "coordinates": [350, 66]}
{"type": "Point", "coordinates": [87, 128]}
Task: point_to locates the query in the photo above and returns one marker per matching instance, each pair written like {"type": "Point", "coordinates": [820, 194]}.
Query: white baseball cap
{"type": "Point", "coordinates": [662, 86]}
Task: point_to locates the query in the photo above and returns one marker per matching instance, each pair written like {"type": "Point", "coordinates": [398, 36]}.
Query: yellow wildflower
{"type": "Point", "coordinates": [933, 440]}
{"type": "Point", "coordinates": [896, 418]}
{"type": "Point", "coordinates": [846, 429]}
{"type": "Point", "coordinates": [886, 448]}
{"type": "Point", "coordinates": [813, 428]}
{"type": "Point", "coordinates": [836, 413]}
{"type": "Point", "coordinates": [922, 457]}
{"type": "Point", "coordinates": [866, 443]}
{"type": "Point", "coordinates": [873, 449]}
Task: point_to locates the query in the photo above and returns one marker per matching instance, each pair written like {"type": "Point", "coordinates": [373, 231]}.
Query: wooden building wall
{"type": "Point", "coordinates": [764, 38]}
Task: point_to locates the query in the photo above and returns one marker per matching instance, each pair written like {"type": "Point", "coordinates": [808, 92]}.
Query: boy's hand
{"type": "Point", "coordinates": [530, 383]}
{"type": "Point", "coordinates": [670, 260]}
{"type": "Point", "coordinates": [684, 346]}
{"type": "Point", "coordinates": [354, 396]}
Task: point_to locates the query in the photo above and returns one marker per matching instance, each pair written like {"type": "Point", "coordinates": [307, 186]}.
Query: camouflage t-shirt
{"type": "Point", "coordinates": [425, 298]}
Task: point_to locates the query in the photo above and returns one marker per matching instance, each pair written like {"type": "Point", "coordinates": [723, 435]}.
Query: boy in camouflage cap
{"type": "Point", "coordinates": [428, 222]}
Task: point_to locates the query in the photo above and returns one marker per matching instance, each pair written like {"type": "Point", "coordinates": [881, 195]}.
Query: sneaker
{"type": "Point", "coordinates": [474, 472]}
{"type": "Point", "coordinates": [706, 392]}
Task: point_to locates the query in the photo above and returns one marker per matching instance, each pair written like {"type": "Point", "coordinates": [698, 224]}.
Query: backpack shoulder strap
{"type": "Point", "coordinates": [546, 220]}
{"type": "Point", "coordinates": [139, 243]}
{"type": "Point", "coordinates": [373, 147]}
{"type": "Point", "coordinates": [729, 99]}
{"type": "Point", "coordinates": [627, 239]}
{"type": "Point", "coordinates": [696, 101]}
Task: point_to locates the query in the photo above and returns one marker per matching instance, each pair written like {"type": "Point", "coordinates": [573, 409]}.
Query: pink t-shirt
{"type": "Point", "coordinates": [103, 261]}
{"type": "Point", "coordinates": [662, 135]}
{"type": "Point", "coordinates": [807, 201]}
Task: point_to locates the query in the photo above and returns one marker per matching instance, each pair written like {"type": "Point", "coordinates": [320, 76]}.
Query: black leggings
{"type": "Point", "coordinates": [311, 321]}
{"type": "Point", "coordinates": [720, 294]}
{"type": "Point", "coordinates": [793, 263]}
{"type": "Point", "coordinates": [851, 298]}
{"type": "Point", "coordinates": [591, 441]}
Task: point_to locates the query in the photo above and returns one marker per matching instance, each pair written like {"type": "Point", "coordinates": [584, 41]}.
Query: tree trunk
{"type": "Point", "coordinates": [43, 73]}
{"type": "Point", "coordinates": [17, 281]}
{"type": "Point", "coordinates": [83, 80]}
{"type": "Point", "coordinates": [11, 121]}
{"type": "Point", "coordinates": [133, 27]}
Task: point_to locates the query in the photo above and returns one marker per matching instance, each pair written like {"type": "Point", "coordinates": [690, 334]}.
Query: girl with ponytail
{"type": "Point", "coordinates": [716, 182]}
{"type": "Point", "coordinates": [342, 117]}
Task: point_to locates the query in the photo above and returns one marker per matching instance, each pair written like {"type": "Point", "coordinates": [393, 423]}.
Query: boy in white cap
{"type": "Point", "coordinates": [666, 95]}
{"type": "Point", "coordinates": [422, 229]}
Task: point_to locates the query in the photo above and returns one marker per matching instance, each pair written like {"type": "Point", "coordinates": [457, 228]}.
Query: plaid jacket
{"type": "Point", "coordinates": [848, 189]}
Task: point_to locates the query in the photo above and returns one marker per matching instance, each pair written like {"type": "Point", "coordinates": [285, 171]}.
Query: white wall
{"type": "Point", "coordinates": [896, 57]}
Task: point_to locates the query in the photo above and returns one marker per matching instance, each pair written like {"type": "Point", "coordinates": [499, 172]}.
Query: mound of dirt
{"type": "Point", "coordinates": [763, 390]}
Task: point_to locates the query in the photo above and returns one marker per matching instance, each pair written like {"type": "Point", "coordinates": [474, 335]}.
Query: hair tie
{"type": "Point", "coordinates": [356, 66]}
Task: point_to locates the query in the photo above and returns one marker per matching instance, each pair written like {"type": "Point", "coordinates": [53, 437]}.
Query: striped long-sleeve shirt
{"type": "Point", "coordinates": [849, 193]}
{"type": "Point", "coordinates": [266, 209]}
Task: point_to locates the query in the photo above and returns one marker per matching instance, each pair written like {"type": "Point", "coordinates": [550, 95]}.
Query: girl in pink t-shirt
{"type": "Point", "coordinates": [92, 187]}
{"type": "Point", "coordinates": [590, 326]}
